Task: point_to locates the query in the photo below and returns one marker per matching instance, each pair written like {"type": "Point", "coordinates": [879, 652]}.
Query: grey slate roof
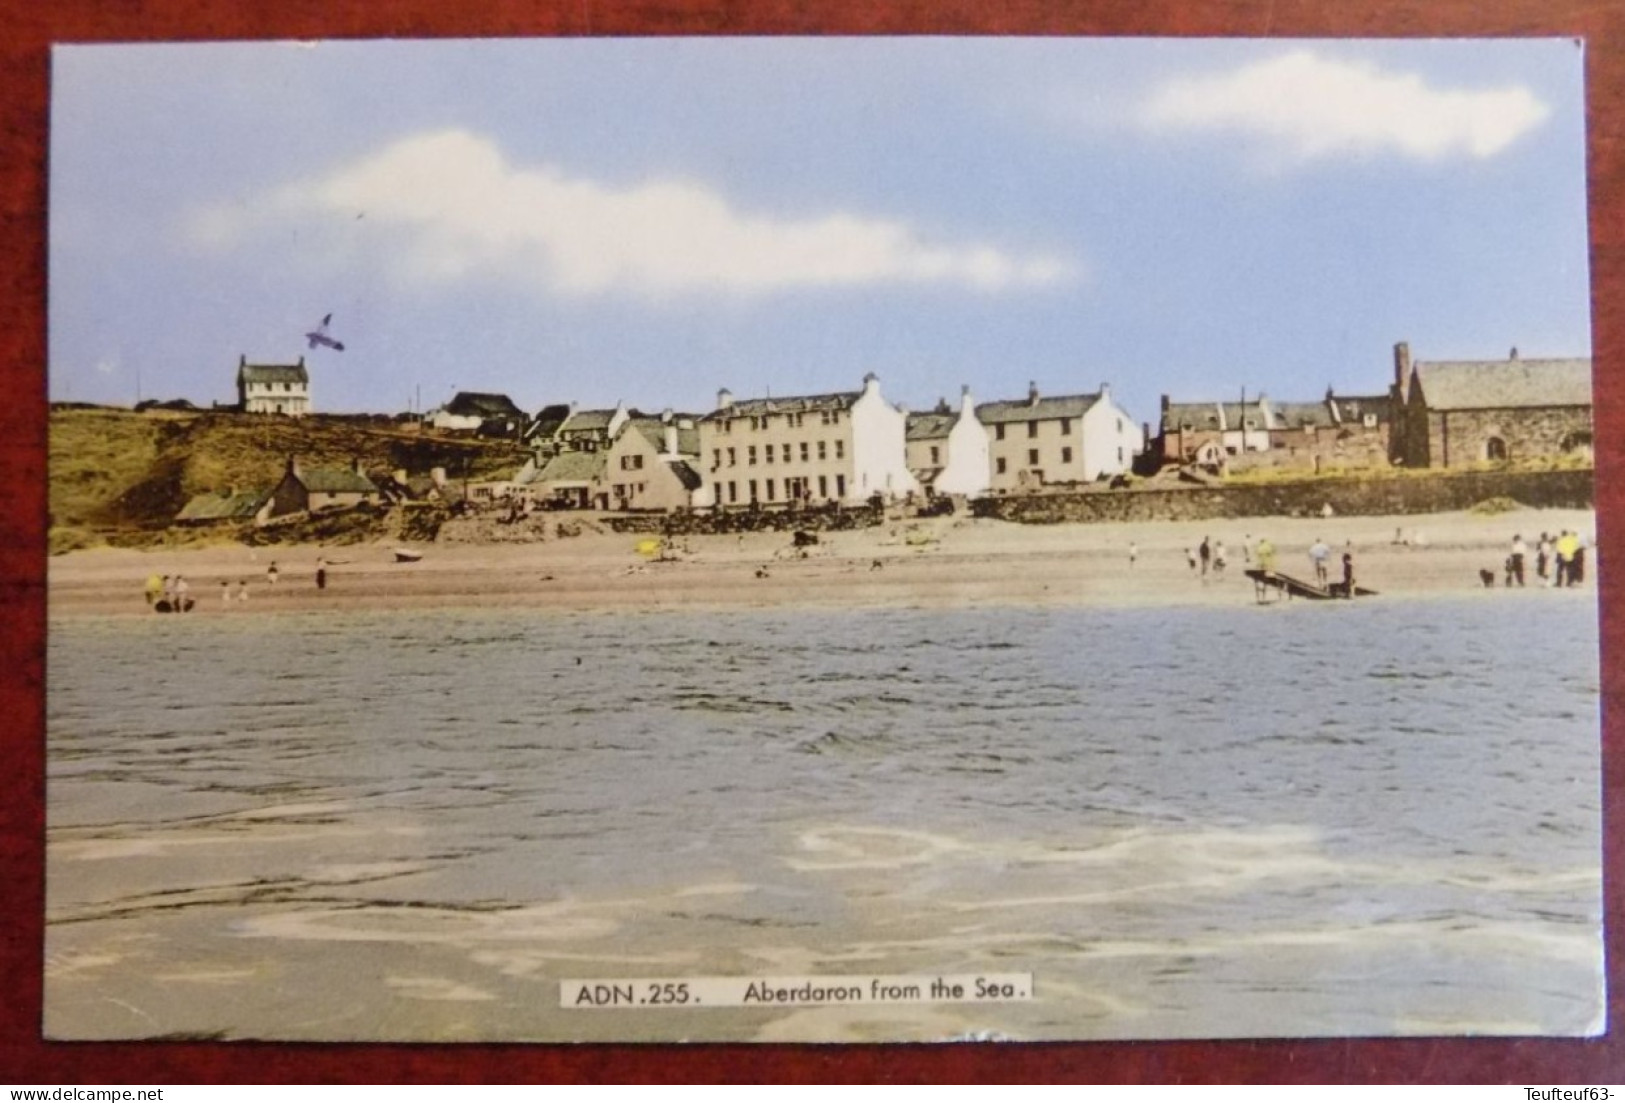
{"type": "Point", "coordinates": [336, 480]}
{"type": "Point", "coordinates": [1021, 409]}
{"type": "Point", "coordinates": [218, 505]}
{"type": "Point", "coordinates": [273, 373]}
{"type": "Point", "coordinates": [931, 426]}
{"type": "Point", "coordinates": [583, 421]}
{"type": "Point", "coordinates": [1503, 384]}
{"type": "Point", "coordinates": [479, 404]}
{"type": "Point", "coordinates": [791, 404]}
{"type": "Point", "coordinates": [654, 431]}
{"type": "Point", "coordinates": [573, 467]}
{"type": "Point", "coordinates": [1295, 415]}
{"type": "Point", "coordinates": [686, 475]}
{"type": "Point", "coordinates": [1352, 408]}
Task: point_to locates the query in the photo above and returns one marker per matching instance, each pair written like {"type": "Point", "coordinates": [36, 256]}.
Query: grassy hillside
{"type": "Point", "coordinates": [119, 477]}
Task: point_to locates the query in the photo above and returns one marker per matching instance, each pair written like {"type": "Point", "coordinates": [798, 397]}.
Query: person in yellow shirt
{"type": "Point", "coordinates": [1266, 556]}
{"type": "Point", "coordinates": [154, 588]}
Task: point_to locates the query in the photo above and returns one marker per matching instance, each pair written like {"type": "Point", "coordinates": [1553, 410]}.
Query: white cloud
{"type": "Point", "coordinates": [448, 206]}
{"type": "Point", "coordinates": [1308, 107]}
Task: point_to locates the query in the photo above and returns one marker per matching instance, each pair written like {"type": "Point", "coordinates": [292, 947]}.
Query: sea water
{"type": "Point", "coordinates": [1354, 818]}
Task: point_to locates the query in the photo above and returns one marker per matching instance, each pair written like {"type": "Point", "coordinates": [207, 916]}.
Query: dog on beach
{"type": "Point", "coordinates": [1487, 578]}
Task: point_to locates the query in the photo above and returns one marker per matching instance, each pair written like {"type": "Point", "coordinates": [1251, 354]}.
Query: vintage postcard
{"type": "Point", "coordinates": [821, 540]}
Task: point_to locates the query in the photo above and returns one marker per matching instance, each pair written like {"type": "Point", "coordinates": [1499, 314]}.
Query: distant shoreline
{"type": "Point", "coordinates": [943, 563]}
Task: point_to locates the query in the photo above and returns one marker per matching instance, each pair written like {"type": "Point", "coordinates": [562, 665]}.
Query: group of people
{"type": "Point", "coordinates": [1560, 560]}
{"type": "Point", "coordinates": [172, 593]}
{"type": "Point", "coordinates": [1208, 557]}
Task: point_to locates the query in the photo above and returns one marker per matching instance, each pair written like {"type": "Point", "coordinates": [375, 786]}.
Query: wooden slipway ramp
{"type": "Point", "coordinates": [1264, 582]}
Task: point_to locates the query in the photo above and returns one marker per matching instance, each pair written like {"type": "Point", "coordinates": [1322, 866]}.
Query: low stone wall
{"type": "Point", "coordinates": [727, 521]}
{"type": "Point", "coordinates": [1308, 498]}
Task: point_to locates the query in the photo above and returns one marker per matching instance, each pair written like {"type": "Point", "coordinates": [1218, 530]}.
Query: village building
{"type": "Point", "coordinates": [843, 447]}
{"type": "Point", "coordinates": [567, 480]}
{"type": "Point", "coordinates": [540, 432]}
{"type": "Point", "coordinates": [313, 489]}
{"type": "Point", "coordinates": [273, 388]}
{"type": "Point", "coordinates": [492, 415]}
{"type": "Point", "coordinates": [589, 430]}
{"type": "Point", "coordinates": [948, 450]}
{"type": "Point", "coordinates": [228, 506]}
{"type": "Point", "coordinates": [1065, 439]}
{"type": "Point", "coordinates": [651, 463]}
{"type": "Point", "coordinates": [1339, 431]}
{"type": "Point", "coordinates": [1459, 412]}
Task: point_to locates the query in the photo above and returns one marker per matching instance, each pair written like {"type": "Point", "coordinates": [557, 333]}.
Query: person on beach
{"type": "Point", "coordinates": [225, 593]}
{"type": "Point", "coordinates": [270, 573]}
{"type": "Point", "coordinates": [1543, 558]}
{"type": "Point", "coordinates": [181, 590]}
{"type": "Point", "coordinates": [242, 590]}
{"type": "Point", "coordinates": [1205, 552]}
{"type": "Point", "coordinates": [321, 573]}
{"type": "Point", "coordinates": [1247, 547]}
{"type": "Point", "coordinates": [1318, 554]}
{"type": "Point", "coordinates": [1348, 575]}
{"type": "Point", "coordinates": [1567, 545]}
{"type": "Point", "coordinates": [1133, 554]}
{"type": "Point", "coordinates": [153, 589]}
{"type": "Point", "coordinates": [1218, 559]}
{"type": "Point", "coordinates": [1577, 565]}
{"type": "Point", "coordinates": [1266, 555]}
{"type": "Point", "coordinates": [1190, 559]}
{"type": "Point", "coordinates": [1515, 560]}
{"type": "Point", "coordinates": [166, 590]}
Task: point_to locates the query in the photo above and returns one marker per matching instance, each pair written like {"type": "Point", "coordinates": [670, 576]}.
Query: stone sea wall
{"type": "Point", "coordinates": [1347, 497]}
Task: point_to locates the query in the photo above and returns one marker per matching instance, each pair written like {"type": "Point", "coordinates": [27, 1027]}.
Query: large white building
{"type": "Point", "coordinates": [273, 388]}
{"type": "Point", "coordinates": [1066, 439]}
{"type": "Point", "coordinates": [807, 450]}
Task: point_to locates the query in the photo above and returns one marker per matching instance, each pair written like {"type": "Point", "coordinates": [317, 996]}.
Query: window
{"type": "Point", "coordinates": [725, 425]}
{"type": "Point", "coordinates": [1032, 429]}
{"type": "Point", "coordinates": [1119, 425]}
{"type": "Point", "coordinates": [1000, 465]}
{"type": "Point", "coordinates": [803, 451]}
{"type": "Point", "coordinates": [821, 454]}
{"type": "Point", "coordinates": [769, 485]}
{"type": "Point", "coordinates": [732, 459]}
{"type": "Point", "coordinates": [1032, 457]}
{"type": "Point", "coordinates": [1066, 426]}
{"type": "Point", "coordinates": [750, 456]}
{"type": "Point", "coordinates": [767, 456]}
{"type": "Point", "coordinates": [716, 493]}
{"type": "Point", "coordinates": [1495, 449]}
{"type": "Point", "coordinates": [733, 491]}
{"type": "Point", "coordinates": [786, 449]}
{"type": "Point", "coordinates": [835, 417]}
{"type": "Point", "coordinates": [823, 417]}
{"type": "Point", "coordinates": [936, 456]}
{"type": "Point", "coordinates": [840, 486]}
{"type": "Point", "coordinates": [631, 463]}
{"type": "Point", "coordinates": [840, 449]}
{"type": "Point", "coordinates": [1119, 455]}
{"type": "Point", "coordinates": [753, 490]}
{"type": "Point", "coordinates": [1066, 455]}
{"type": "Point", "coordinates": [823, 486]}
{"type": "Point", "coordinates": [998, 431]}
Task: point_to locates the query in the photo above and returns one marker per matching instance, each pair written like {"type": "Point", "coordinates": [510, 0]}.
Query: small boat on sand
{"type": "Point", "coordinates": [406, 555]}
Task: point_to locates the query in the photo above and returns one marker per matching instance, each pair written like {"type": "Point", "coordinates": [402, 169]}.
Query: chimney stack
{"type": "Point", "coordinates": [1402, 371]}
{"type": "Point", "coordinates": [1032, 393]}
{"type": "Point", "coordinates": [437, 475]}
{"type": "Point", "coordinates": [671, 434]}
{"type": "Point", "coordinates": [293, 466]}
{"type": "Point", "coordinates": [355, 465]}
{"type": "Point", "coordinates": [725, 399]}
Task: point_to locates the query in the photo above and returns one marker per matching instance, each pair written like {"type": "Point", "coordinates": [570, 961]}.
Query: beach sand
{"type": "Point", "coordinates": [950, 562]}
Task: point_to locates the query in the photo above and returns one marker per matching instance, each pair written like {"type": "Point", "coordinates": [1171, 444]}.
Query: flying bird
{"type": "Point", "coordinates": [318, 336]}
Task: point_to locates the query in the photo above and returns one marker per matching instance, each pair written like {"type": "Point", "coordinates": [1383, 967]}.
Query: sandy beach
{"type": "Point", "coordinates": [941, 562]}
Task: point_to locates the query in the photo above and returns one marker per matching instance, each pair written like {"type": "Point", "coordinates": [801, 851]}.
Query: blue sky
{"type": "Point", "coordinates": [650, 220]}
